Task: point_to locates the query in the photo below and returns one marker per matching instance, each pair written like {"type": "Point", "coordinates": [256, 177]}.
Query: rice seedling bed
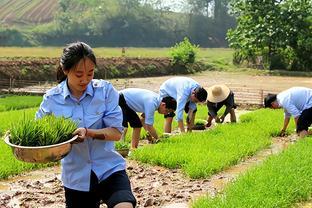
{"type": "Point", "coordinates": [281, 181]}
{"type": "Point", "coordinates": [202, 154]}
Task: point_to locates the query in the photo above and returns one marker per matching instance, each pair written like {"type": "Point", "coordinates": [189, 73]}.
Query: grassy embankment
{"type": "Point", "coordinates": [215, 58]}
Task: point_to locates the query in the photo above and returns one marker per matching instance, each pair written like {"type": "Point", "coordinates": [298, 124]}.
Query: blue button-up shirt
{"type": "Point", "coordinates": [142, 101]}
{"type": "Point", "coordinates": [295, 100]}
{"type": "Point", "coordinates": [97, 108]}
{"type": "Point", "coordinates": [180, 88]}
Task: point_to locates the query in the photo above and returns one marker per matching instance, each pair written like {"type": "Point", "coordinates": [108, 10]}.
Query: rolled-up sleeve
{"type": "Point", "coordinates": [113, 114]}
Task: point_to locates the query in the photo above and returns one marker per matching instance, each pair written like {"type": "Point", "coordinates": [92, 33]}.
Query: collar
{"type": "Point", "coordinates": [66, 91]}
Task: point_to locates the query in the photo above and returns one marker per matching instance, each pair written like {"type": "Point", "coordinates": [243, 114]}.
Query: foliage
{"type": "Point", "coordinates": [277, 31]}
{"type": "Point", "coordinates": [116, 23]}
{"type": "Point", "coordinates": [184, 52]}
{"type": "Point", "coordinates": [281, 181]}
{"type": "Point", "coordinates": [48, 130]}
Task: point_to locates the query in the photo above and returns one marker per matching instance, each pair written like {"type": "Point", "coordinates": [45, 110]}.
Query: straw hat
{"type": "Point", "coordinates": [218, 93]}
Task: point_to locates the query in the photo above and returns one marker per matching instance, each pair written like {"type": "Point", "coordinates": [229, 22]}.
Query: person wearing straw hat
{"type": "Point", "coordinates": [296, 102]}
{"type": "Point", "coordinates": [218, 96]}
{"type": "Point", "coordinates": [187, 92]}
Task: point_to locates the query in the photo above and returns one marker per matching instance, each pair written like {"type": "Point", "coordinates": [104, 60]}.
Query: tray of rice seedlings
{"type": "Point", "coordinates": [41, 141]}
{"type": "Point", "coordinates": [199, 124]}
{"type": "Point", "coordinates": [123, 148]}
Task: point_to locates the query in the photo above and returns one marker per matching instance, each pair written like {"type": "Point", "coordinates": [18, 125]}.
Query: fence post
{"type": "Point", "coordinates": [10, 85]}
{"type": "Point", "coordinates": [261, 97]}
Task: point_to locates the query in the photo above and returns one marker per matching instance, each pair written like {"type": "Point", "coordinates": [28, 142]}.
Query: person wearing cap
{"type": "Point", "coordinates": [296, 102]}
{"type": "Point", "coordinates": [133, 100]}
{"type": "Point", "coordinates": [187, 92]}
{"type": "Point", "coordinates": [218, 96]}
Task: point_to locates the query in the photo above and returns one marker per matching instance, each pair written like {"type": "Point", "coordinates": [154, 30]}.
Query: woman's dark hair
{"type": "Point", "coordinates": [72, 54]}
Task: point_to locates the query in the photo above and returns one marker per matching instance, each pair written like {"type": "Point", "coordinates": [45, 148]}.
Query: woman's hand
{"type": "Point", "coordinates": [82, 135]}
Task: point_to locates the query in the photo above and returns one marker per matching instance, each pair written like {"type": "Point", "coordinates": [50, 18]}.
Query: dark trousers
{"type": "Point", "coordinates": [113, 190]}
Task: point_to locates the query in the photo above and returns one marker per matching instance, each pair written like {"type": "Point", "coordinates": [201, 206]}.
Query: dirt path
{"type": "Point", "coordinates": [208, 78]}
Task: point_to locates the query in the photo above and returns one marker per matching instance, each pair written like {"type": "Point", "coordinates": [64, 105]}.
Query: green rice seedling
{"type": "Point", "coordinates": [122, 145]}
{"type": "Point", "coordinates": [202, 154]}
{"type": "Point", "coordinates": [46, 131]}
{"type": "Point", "coordinates": [9, 118]}
{"type": "Point", "coordinates": [281, 181]}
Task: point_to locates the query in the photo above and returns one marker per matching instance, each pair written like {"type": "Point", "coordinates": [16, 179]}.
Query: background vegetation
{"type": "Point", "coordinates": [117, 23]}
{"type": "Point", "coordinates": [273, 34]}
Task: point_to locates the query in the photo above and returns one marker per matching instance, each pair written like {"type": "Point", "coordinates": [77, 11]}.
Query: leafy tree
{"type": "Point", "coordinates": [278, 31]}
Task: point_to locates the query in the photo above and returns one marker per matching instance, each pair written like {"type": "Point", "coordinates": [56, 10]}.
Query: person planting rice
{"type": "Point", "coordinates": [187, 92]}
{"type": "Point", "coordinates": [296, 102]}
{"type": "Point", "coordinates": [133, 100]}
{"type": "Point", "coordinates": [93, 170]}
{"type": "Point", "coordinates": [218, 96]}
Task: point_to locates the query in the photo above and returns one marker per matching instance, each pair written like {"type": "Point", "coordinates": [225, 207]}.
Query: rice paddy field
{"type": "Point", "coordinates": [282, 180]}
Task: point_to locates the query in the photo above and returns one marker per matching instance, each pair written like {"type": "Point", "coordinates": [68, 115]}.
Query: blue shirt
{"type": "Point", "coordinates": [97, 108]}
{"type": "Point", "coordinates": [180, 88]}
{"type": "Point", "coordinates": [142, 101]}
{"type": "Point", "coordinates": [295, 100]}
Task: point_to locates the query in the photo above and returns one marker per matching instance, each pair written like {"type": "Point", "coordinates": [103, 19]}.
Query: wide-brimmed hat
{"type": "Point", "coordinates": [218, 93]}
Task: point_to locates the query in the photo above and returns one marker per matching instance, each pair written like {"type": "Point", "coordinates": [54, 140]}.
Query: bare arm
{"type": "Point", "coordinates": [151, 130]}
{"type": "Point", "coordinates": [286, 122]}
{"type": "Point", "coordinates": [190, 121]}
{"type": "Point", "coordinates": [181, 126]}
{"type": "Point", "coordinates": [108, 134]}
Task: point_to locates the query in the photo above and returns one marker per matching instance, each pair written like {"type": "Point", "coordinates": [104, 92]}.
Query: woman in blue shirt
{"type": "Point", "coordinates": [93, 170]}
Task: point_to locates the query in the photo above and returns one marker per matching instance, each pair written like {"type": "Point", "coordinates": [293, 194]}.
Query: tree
{"type": "Point", "coordinates": [275, 30]}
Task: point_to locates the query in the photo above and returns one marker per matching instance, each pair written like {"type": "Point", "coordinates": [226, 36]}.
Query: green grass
{"type": "Point", "coordinates": [221, 54]}
{"type": "Point", "coordinates": [15, 102]}
{"type": "Point", "coordinates": [212, 151]}
{"type": "Point", "coordinates": [281, 181]}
